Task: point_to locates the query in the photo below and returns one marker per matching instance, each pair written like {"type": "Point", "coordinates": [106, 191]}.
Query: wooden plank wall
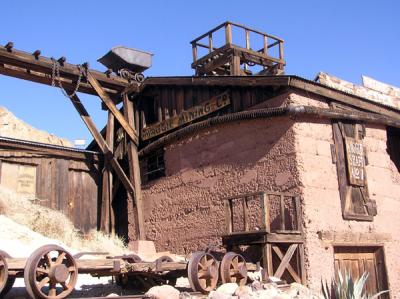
{"type": "Point", "coordinates": [65, 184]}
{"type": "Point", "coordinates": [163, 102]}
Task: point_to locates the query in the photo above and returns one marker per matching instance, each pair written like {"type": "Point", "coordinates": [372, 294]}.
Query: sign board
{"type": "Point", "coordinates": [355, 160]}
{"type": "Point", "coordinates": [187, 116]}
{"type": "Point", "coordinates": [18, 177]}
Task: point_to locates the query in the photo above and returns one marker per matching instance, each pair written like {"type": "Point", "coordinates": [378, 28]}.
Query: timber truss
{"type": "Point", "coordinates": [111, 90]}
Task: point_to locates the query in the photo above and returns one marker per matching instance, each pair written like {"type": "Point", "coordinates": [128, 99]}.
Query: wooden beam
{"type": "Point", "coordinates": [134, 169]}
{"type": "Point", "coordinates": [39, 69]}
{"type": "Point", "coordinates": [107, 152]}
{"type": "Point", "coordinates": [113, 109]}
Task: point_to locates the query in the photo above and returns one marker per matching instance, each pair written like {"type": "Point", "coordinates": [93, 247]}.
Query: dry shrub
{"type": "Point", "coordinates": [55, 225]}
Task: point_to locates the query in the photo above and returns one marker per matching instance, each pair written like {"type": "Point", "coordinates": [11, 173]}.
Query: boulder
{"type": "Point", "coordinates": [162, 292]}
{"type": "Point", "coordinates": [227, 288]}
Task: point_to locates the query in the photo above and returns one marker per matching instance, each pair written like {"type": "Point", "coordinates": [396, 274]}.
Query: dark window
{"type": "Point", "coordinates": [393, 145]}
{"type": "Point", "coordinates": [152, 166]}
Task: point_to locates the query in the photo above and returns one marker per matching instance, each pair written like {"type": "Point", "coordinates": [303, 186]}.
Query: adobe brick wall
{"type": "Point", "coordinates": [321, 201]}
{"type": "Point", "coordinates": [184, 210]}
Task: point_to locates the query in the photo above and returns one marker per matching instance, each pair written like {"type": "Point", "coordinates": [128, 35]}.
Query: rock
{"type": "Point", "coordinates": [268, 292]}
{"type": "Point", "coordinates": [162, 292]}
{"type": "Point", "coordinates": [185, 295]}
{"type": "Point", "coordinates": [257, 275]}
{"type": "Point", "coordinates": [219, 295]}
{"type": "Point", "coordinates": [282, 296]}
{"type": "Point", "coordinates": [256, 285]}
{"type": "Point", "coordinates": [227, 288]}
{"type": "Point", "coordinates": [299, 291]}
{"type": "Point", "coordinates": [112, 295]}
{"type": "Point", "coordinates": [243, 292]}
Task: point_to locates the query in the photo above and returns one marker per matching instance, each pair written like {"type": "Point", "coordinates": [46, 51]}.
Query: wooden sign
{"type": "Point", "coordinates": [355, 161]}
{"type": "Point", "coordinates": [187, 116]}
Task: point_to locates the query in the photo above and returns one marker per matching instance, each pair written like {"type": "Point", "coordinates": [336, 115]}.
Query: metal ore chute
{"type": "Point", "coordinates": [127, 63]}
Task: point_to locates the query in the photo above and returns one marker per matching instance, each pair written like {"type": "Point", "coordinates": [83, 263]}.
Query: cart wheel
{"type": "Point", "coordinates": [50, 273]}
{"type": "Point", "coordinates": [4, 289]}
{"type": "Point", "coordinates": [203, 272]}
{"type": "Point", "coordinates": [3, 273]}
{"type": "Point", "coordinates": [233, 269]}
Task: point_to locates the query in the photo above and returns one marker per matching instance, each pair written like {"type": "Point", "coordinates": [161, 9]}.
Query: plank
{"type": "Point", "coordinates": [113, 109]}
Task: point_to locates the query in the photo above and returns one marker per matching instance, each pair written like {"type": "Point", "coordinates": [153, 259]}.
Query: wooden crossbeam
{"type": "Point", "coordinates": [285, 262]}
{"type": "Point", "coordinates": [107, 152]}
{"type": "Point", "coordinates": [112, 108]}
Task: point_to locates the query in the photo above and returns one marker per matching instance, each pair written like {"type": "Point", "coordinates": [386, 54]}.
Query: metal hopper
{"type": "Point", "coordinates": [120, 57]}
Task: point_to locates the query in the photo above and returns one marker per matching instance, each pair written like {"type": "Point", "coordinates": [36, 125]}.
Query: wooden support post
{"type": "Point", "coordinates": [210, 43]}
{"type": "Point", "coordinates": [194, 51]}
{"type": "Point", "coordinates": [113, 109]}
{"type": "Point", "coordinates": [107, 214]}
{"type": "Point", "coordinates": [235, 65]}
{"type": "Point", "coordinates": [266, 215]}
{"type": "Point", "coordinates": [228, 216]}
{"type": "Point", "coordinates": [134, 169]}
{"type": "Point", "coordinates": [282, 205]}
{"type": "Point", "coordinates": [108, 154]}
{"type": "Point", "coordinates": [246, 214]}
{"type": "Point", "coordinates": [247, 39]}
{"type": "Point", "coordinates": [228, 33]}
{"type": "Point", "coordinates": [265, 45]}
{"type": "Point", "coordinates": [281, 54]}
{"type": "Point", "coordinates": [267, 258]}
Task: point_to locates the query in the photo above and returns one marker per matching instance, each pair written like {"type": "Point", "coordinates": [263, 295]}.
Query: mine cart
{"type": "Point", "coordinates": [51, 272]}
{"type": "Point", "coordinates": [269, 222]}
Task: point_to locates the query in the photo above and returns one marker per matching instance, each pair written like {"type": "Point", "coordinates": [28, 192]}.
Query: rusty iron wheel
{"type": "Point", "coordinates": [50, 273]}
{"type": "Point", "coordinates": [233, 269]}
{"type": "Point", "coordinates": [10, 280]}
{"type": "Point", "coordinates": [203, 272]}
{"type": "Point", "coordinates": [3, 273]}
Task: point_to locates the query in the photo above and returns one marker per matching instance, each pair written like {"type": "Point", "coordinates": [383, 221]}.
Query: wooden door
{"type": "Point", "coordinates": [357, 260]}
{"type": "Point", "coordinates": [83, 200]}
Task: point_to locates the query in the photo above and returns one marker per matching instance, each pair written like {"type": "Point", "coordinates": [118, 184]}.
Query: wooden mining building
{"type": "Point", "coordinates": [301, 174]}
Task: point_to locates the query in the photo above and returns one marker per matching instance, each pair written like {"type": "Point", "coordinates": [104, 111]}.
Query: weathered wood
{"type": "Point", "coordinates": [107, 222]}
{"type": "Point", "coordinates": [112, 108]}
{"type": "Point", "coordinates": [235, 66]}
{"type": "Point", "coordinates": [228, 216]}
{"type": "Point", "coordinates": [285, 259]}
{"type": "Point", "coordinates": [267, 258]}
{"type": "Point", "coordinates": [108, 154]}
{"type": "Point", "coordinates": [342, 97]}
{"type": "Point", "coordinates": [228, 33]}
{"type": "Point", "coordinates": [134, 169]}
{"type": "Point", "coordinates": [39, 69]}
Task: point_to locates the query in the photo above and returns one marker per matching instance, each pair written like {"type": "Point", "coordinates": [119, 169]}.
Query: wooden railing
{"type": "Point", "coordinates": [275, 212]}
{"type": "Point", "coordinates": [269, 41]}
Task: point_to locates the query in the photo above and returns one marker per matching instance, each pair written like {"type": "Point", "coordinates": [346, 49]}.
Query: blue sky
{"type": "Point", "coordinates": [343, 38]}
